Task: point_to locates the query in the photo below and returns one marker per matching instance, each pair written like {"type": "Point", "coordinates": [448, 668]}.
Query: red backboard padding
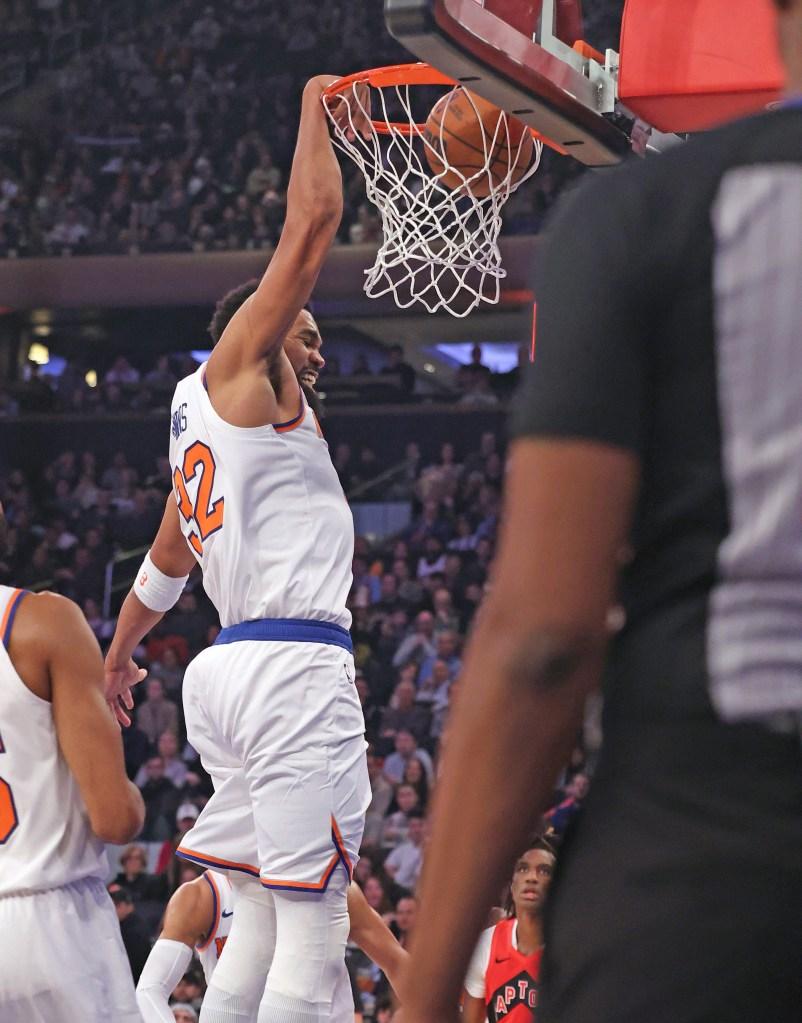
{"type": "Point", "coordinates": [523, 15]}
{"type": "Point", "coordinates": [687, 65]}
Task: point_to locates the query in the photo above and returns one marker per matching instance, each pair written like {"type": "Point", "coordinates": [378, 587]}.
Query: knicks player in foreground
{"type": "Point", "coordinates": [271, 708]}
{"type": "Point", "coordinates": [200, 916]}
{"type": "Point", "coordinates": [63, 792]}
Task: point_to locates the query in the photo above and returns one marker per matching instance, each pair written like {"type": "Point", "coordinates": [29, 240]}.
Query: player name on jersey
{"type": "Point", "coordinates": [520, 991]}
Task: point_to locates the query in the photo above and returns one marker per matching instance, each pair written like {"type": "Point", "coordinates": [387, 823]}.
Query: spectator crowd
{"type": "Point", "coordinates": [122, 387]}
{"type": "Point", "coordinates": [413, 599]}
{"type": "Point", "coordinates": [177, 135]}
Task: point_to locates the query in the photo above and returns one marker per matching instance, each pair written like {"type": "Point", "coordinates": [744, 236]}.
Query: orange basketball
{"type": "Point", "coordinates": [460, 132]}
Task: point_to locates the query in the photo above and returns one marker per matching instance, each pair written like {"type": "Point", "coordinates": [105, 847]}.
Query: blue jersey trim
{"type": "Point", "coordinates": [288, 630]}
{"type": "Point", "coordinates": [202, 946]}
{"type": "Point", "coordinates": [215, 864]}
{"type": "Point", "coordinates": [12, 614]}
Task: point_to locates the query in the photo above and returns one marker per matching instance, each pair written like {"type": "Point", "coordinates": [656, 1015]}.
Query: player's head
{"type": "Point", "coordinates": [302, 336]}
{"type": "Point", "coordinates": [228, 305]}
{"type": "Point", "coordinates": [302, 347]}
{"type": "Point", "coordinates": [531, 878]}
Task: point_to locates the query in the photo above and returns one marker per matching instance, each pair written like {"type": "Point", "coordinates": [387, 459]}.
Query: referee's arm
{"type": "Point", "coordinates": [538, 645]}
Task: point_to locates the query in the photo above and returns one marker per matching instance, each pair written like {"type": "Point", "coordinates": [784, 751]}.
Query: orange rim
{"type": "Point", "coordinates": [387, 77]}
{"type": "Point", "coordinates": [406, 74]}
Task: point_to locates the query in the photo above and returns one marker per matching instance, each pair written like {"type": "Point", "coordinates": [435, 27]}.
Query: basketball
{"type": "Point", "coordinates": [460, 132]}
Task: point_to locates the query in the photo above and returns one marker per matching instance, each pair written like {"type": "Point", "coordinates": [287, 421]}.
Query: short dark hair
{"type": "Point", "coordinates": [229, 304]}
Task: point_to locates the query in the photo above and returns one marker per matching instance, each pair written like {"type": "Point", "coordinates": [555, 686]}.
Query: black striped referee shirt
{"type": "Point", "coordinates": [670, 324]}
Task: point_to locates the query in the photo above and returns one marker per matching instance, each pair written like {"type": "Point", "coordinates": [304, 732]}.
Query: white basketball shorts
{"type": "Point", "coordinates": [279, 727]}
{"type": "Point", "coordinates": [63, 959]}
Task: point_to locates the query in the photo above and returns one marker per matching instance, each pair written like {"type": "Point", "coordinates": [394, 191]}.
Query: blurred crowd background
{"type": "Point", "coordinates": [172, 126]}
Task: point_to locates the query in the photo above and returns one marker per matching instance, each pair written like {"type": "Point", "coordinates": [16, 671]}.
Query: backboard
{"type": "Point", "coordinates": [532, 58]}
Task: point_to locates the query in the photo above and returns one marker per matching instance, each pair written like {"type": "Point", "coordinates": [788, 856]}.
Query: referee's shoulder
{"type": "Point", "coordinates": [650, 188]}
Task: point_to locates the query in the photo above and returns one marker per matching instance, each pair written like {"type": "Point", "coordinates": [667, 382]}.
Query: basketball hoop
{"type": "Point", "coordinates": [440, 221]}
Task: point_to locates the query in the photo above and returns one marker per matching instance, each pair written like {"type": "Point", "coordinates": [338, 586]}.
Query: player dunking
{"type": "Point", "coordinates": [271, 708]}
{"type": "Point", "coordinates": [63, 788]}
{"type": "Point", "coordinates": [200, 915]}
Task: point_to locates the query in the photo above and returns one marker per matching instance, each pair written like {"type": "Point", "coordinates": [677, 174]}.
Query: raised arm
{"type": "Point", "coordinates": [53, 646]}
{"type": "Point", "coordinates": [170, 556]}
{"type": "Point", "coordinates": [189, 915]}
{"type": "Point", "coordinates": [255, 334]}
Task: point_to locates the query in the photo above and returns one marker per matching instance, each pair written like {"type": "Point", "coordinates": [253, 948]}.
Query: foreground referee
{"type": "Point", "coordinates": [664, 415]}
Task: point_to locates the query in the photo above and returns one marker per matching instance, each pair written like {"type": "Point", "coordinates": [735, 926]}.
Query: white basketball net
{"type": "Point", "coordinates": [440, 244]}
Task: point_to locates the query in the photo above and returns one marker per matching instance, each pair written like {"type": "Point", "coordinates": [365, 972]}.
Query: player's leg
{"type": "Point", "coordinates": [342, 1003]}
{"type": "Point", "coordinates": [300, 731]}
{"type": "Point", "coordinates": [238, 982]}
{"type": "Point", "coordinates": [310, 946]}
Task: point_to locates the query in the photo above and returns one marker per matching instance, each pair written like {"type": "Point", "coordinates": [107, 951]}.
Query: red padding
{"type": "Point", "coordinates": [687, 65]}
{"type": "Point", "coordinates": [523, 15]}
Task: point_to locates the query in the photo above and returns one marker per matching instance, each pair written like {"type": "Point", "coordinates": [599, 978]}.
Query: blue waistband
{"type": "Point", "coordinates": [288, 630]}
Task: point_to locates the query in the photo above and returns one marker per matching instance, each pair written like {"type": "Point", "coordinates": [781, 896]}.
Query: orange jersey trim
{"type": "Point", "coordinates": [305, 886]}
{"type": "Point", "coordinates": [340, 856]}
{"type": "Point", "coordinates": [215, 861]}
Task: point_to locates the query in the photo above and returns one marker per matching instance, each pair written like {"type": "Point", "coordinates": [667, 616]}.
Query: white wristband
{"type": "Point", "coordinates": [154, 589]}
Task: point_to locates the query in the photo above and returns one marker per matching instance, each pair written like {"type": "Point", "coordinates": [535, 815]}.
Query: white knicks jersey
{"type": "Point", "coordinates": [263, 511]}
{"type": "Point", "coordinates": [210, 950]}
{"type": "Point", "coordinates": [45, 838]}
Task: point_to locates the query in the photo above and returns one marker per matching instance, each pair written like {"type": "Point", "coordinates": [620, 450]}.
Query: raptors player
{"type": "Point", "coordinates": [200, 916]}
{"type": "Point", "coordinates": [63, 789]}
{"type": "Point", "coordinates": [503, 976]}
{"type": "Point", "coordinates": [271, 707]}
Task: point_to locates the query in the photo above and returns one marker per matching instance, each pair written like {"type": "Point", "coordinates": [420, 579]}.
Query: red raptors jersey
{"type": "Point", "coordinates": [511, 978]}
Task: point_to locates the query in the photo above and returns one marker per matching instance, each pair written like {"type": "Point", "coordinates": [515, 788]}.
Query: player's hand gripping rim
{"type": "Point", "coordinates": [350, 111]}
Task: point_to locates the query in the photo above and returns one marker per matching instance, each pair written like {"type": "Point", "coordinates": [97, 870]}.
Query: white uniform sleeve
{"type": "Point", "coordinates": [165, 966]}
{"type": "Point", "coordinates": [477, 971]}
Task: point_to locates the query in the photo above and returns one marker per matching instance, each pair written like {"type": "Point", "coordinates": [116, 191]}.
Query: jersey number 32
{"type": "Point", "coordinates": [205, 517]}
